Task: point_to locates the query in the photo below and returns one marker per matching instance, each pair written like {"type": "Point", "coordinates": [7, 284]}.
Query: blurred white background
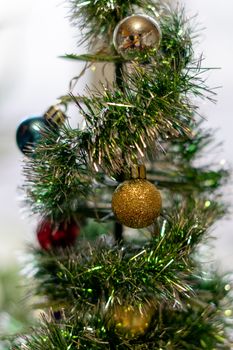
{"type": "Point", "coordinates": [32, 36]}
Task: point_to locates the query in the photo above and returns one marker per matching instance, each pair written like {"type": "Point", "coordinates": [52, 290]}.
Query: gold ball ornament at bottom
{"type": "Point", "coordinates": [131, 321]}
{"type": "Point", "coordinates": [136, 203]}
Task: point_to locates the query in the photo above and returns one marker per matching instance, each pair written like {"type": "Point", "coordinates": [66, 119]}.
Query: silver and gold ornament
{"type": "Point", "coordinates": [136, 33]}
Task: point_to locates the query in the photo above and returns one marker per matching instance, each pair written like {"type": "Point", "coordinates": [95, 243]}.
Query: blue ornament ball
{"type": "Point", "coordinates": [29, 133]}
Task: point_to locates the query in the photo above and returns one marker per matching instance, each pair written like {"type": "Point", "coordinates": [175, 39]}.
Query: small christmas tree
{"type": "Point", "coordinates": [123, 204]}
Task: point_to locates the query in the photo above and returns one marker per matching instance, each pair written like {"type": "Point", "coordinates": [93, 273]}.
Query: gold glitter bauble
{"type": "Point", "coordinates": [136, 203]}
{"type": "Point", "coordinates": [136, 33]}
{"type": "Point", "coordinates": [131, 321]}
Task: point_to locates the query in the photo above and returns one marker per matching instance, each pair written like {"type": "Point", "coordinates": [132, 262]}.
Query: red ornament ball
{"type": "Point", "coordinates": [52, 235]}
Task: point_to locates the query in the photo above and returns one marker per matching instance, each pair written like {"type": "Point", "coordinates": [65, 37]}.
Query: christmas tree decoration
{"type": "Point", "coordinates": [52, 235]}
{"type": "Point", "coordinates": [55, 115]}
{"type": "Point", "coordinates": [136, 203]}
{"type": "Point", "coordinates": [145, 289]}
{"type": "Point", "coordinates": [29, 132]}
{"type": "Point", "coordinates": [132, 321]}
{"type": "Point", "coordinates": [136, 33]}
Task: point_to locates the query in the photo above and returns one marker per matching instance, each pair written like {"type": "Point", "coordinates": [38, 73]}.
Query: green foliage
{"type": "Point", "coordinates": [151, 103]}
{"type": "Point", "coordinates": [202, 325]}
{"type": "Point", "coordinates": [94, 58]}
{"type": "Point", "coordinates": [59, 178]}
{"type": "Point", "coordinates": [178, 168]}
{"type": "Point", "coordinates": [155, 107]}
{"type": "Point", "coordinates": [147, 110]}
{"type": "Point", "coordinates": [177, 38]}
{"type": "Point", "coordinates": [160, 268]}
{"type": "Point", "coordinates": [15, 313]}
{"type": "Point", "coordinates": [126, 123]}
{"type": "Point", "coordinates": [58, 175]}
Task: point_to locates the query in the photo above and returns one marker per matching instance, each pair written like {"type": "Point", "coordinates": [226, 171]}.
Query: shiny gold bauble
{"type": "Point", "coordinates": [131, 321]}
{"type": "Point", "coordinates": [136, 33]}
{"type": "Point", "coordinates": [136, 203]}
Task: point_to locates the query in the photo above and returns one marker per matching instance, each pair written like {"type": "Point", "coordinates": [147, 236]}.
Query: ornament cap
{"type": "Point", "coordinates": [138, 172]}
{"type": "Point", "coordinates": [55, 115]}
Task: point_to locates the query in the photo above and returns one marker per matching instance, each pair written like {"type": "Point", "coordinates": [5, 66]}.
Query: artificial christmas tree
{"type": "Point", "coordinates": [123, 204]}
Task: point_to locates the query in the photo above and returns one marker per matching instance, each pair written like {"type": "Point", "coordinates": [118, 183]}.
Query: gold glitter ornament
{"type": "Point", "coordinates": [136, 33]}
{"type": "Point", "coordinates": [131, 321]}
{"type": "Point", "coordinates": [136, 203]}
